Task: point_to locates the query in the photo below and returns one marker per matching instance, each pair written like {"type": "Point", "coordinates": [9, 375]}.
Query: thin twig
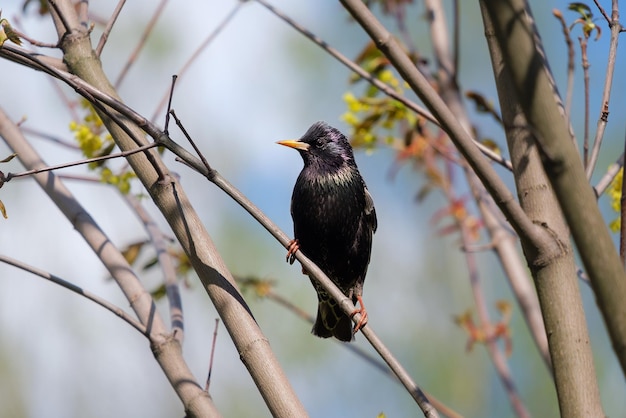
{"type": "Point", "coordinates": [199, 50]}
{"type": "Point", "coordinates": [585, 66]}
{"type": "Point", "coordinates": [10, 176]}
{"type": "Point", "coordinates": [180, 125]}
{"type": "Point", "coordinates": [169, 105]}
{"type": "Point", "coordinates": [49, 137]}
{"type": "Point", "coordinates": [355, 349]}
{"type": "Point", "coordinates": [208, 378]}
{"type": "Point", "coordinates": [603, 12]}
{"type": "Point", "coordinates": [456, 38]}
{"type": "Point", "coordinates": [389, 91]}
{"type": "Point", "coordinates": [78, 290]}
{"type": "Point", "coordinates": [53, 4]}
{"type": "Point", "coordinates": [503, 197]}
{"type": "Point", "coordinates": [33, 41]}
{"type": "Point", "coordinates": [170, 279]}
{"type": "Point", "coordinates": [107, 30]}
{"type": "Point", "coordinates": [313, 270]}
{"type": "Point", "coordinates": [610, 174]}
{"type": "Point", "coordinates": [616, 29]}
{"type": "Point", "coordinates": [570, 62]}
{"type": "Point", "coordinates": [142, 41]}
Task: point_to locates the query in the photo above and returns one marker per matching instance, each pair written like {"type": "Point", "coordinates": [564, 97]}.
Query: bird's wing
{"type": "Point", "coordinates": [370, 211]}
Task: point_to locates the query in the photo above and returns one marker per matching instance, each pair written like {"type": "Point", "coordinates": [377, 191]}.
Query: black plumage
{"type": "Point", "coordinates": [334, 221]}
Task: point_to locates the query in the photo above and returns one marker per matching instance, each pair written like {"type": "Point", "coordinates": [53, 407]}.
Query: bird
{"type": "Point", "coordinates": [334, 222]}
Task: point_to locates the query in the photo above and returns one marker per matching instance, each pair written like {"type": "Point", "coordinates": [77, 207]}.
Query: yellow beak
{"type": "Point", "coordinates": [295, 143]}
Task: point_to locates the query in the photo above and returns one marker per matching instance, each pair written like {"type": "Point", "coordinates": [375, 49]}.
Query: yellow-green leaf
{"type": "Point", "coordinates": [131, 252]}
{"type": "Point", "coordinates": [7, 32]}
{"type": "Point", "coordinates": [9, 158]}
{"type": "Point", "coordinates": [159, 292]}
{"type": "Point", "coordinates": [582, 9]}
{"type": "Point", "coordinates": [3, 210]}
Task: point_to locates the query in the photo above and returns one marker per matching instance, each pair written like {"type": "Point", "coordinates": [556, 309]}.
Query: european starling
{"type": "Point", "coordinates": [334, 221]}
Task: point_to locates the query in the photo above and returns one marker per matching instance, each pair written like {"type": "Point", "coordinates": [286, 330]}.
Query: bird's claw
{"type": "Point", "coordinates": [363, 321]}
{"type": "Point", "coordinates": [292, 248]}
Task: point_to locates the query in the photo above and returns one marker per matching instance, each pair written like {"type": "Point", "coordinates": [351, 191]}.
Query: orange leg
{"type": "Point", "coordinates": [363, 313]}
{"type": "Point", "coordinates": [291, 251]}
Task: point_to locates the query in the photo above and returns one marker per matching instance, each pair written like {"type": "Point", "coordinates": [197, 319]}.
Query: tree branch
{"type": "Point", "coordinates": [494, 185]}
{"type": "Point", "coordinates": [167, 351]}
{"type": "Point", "coordinates": [171, 199]}
{"type": "Point", "coordinates": [389, 91]}
{"type": "Point", "coordinates": [616, 29]}
{"type": "Point", "coordinates": [78, 290]}
{"type": "Point", "coordinates": [539, 99]}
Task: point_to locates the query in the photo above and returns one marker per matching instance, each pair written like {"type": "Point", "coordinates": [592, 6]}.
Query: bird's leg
{"type": "Point", "coordinates": [363, 313]}
{"type": "Point", "coordinates": [291, 250]}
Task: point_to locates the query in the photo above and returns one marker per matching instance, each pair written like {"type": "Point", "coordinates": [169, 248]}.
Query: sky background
{"type": "Point", "coordinates": [259, 82]}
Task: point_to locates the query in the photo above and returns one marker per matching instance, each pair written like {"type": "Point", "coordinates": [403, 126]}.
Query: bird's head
{"type": "Point", "coordinates": [323, 146]}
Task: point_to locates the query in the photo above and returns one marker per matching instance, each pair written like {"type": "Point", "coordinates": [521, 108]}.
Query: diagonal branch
{"type": "Point", "coordinates": [78, 290]}
{"type": "Point", "coordinates": [183, 230]}
{"type": "Point", "coordinates": [449, 123]}
{"type": "Point", "coordinates": [164, 258]}
{"type": "Point", "coordinates": [171, 199]}
{"type": "Point", "coordinates": [387, 90]}
{"type": "Point", "coordinates": [616, 29]}
{"type": "Point", "coordinates": [168, 351]}
{"type": "Point", "coordinates": [539, 100]}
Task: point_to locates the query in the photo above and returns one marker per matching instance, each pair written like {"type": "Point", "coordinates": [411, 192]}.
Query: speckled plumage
{"type": "Point", "coordinates": [334, 221]}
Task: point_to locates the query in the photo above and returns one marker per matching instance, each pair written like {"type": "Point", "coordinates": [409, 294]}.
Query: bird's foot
{"type": "Point", "coordinates": [363, 313]}
{"type": "Point", "coordinates": [292, 248]}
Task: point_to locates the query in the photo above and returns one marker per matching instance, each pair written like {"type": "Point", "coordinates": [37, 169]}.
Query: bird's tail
{"type": "Point", "coordinates": [331, 321]}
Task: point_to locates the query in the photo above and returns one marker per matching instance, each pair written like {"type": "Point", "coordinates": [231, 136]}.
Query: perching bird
{"type": "Point", "coordinates": [334, 221]}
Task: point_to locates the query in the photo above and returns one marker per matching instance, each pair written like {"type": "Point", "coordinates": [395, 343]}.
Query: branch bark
{"type": "Point", "coordinates": [449, 123]}
{"type": "Point", "coordinates": [170, 198]}
{"type": "Point", "coordinates": [524, 56]}
{"type": "Point", "coordinates": [167, 349]}
{"type": "Point", "coordinates": [556, 280]}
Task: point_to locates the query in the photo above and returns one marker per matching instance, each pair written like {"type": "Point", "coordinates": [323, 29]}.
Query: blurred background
{"type": "Point", "coordinates": [259, 81]}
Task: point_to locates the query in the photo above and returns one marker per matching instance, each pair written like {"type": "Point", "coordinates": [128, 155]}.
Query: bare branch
{"type": "Point", "coordinates": [494, 185]}
{"type": "Point", "coordinates": [208, 379]}
{"type": "Point", "coordinates": [616, 29]}
{"type": "Point", "coordinates": [525, 59]}
{"type": "Point", "coordinates": [602, 11]}
{"type": "Point", "coordinates": [570, 62]}
{"type": "Point", "coordinates": [142, 41]}
{"type": "Point", "coordinates": [194, 56]}
{"type": "Point", "coordinates": [10, 176]}
{"type": "Point", "coordinates": [166, 349]}
{"type": "Point", "coordinates": [610, 174]}
{"type": "Point", "coordinates": [172, 287]}
{"type": "Point", "coordinates": [107, 30]}
{"type": "Point", "coordinates": [312, 270]}
{"type": "Point", "coordinates": [494, 156]}
{"type": "Point", "coordinates": [78, 290]}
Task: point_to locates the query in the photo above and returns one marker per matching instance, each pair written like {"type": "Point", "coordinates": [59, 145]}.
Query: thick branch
{"type": "Point", "coordinates": [523, 55]}
{"type": "Point", "coordinates": [170, 198]}
{"type": "Point", "coordinates": [556, 281]}
{"type": "Point", "coordinates": [171, 362]}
